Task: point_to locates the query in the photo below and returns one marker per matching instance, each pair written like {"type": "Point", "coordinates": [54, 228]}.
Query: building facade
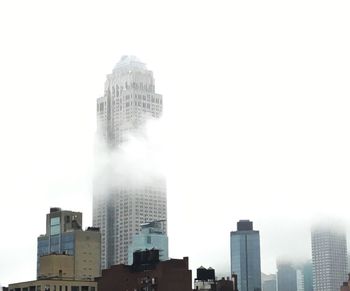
{"type": "Point", "coordinates": [346, 285]}
{"type": "Point", "coordinates": [286, 276]}
{"type": "Point", "coordinates": [269, 282]}
{"type": "Point", "coordinates": [54, 285]}
{"type": "Point", "coordinates": [65, 241]}
{"type": "Point", "coordinates": [307, 274]}
{"type": "Point", "coordinates": [245, 256]}
{"type": "Point", "coordinates": [120, 203]}
{"type": "Point", "coordinates": [151, 236]}
{"type": "Point", "coordinates": [329, 258]}
{"type": "Point", "coordinates": [147, 273]}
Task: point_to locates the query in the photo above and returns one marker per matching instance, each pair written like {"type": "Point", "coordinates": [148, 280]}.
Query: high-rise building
{"type": "Point", "coordinates": [120, 204]}
{"type": "Point", "coordinates": [245, 256]}
{"type": "Point", "coordinates": [269, 282]}
{"type": "Point", "coordinates": [307, 274]}
{"type": "Point", "coordinates": [286, 276]}
{"type": "Point", "coordinates": [151, 236]}
{"type": "Point", "coordinates": [66, 250]}
{"type": "Point", "coordinates": [329, 258]}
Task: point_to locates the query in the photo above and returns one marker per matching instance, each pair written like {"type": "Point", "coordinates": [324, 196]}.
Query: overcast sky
{"type": "Point", "coordinates": [256, 117]}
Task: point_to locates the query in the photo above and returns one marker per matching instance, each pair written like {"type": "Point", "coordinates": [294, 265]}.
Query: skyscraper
{"type": "Point", "coordinates": [245, 256]}
{"type": "Point", "coordinates": [329, 258]}
{"type": "Point", "coordinates": [286, 276]}
{"type": "Point", "coordinates": [120, 204]}
{"type": "Point", "coordinates": [269, 282]}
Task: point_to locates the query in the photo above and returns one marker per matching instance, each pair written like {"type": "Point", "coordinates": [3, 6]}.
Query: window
{"type": "Point", "coordinates": [55, 229]}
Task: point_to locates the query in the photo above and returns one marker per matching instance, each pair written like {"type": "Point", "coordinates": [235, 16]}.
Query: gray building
{"type": "Point", "coordinates": [151, 236]}
{"type": "Point", "coordinates": [286, 276]}
{"type": "Point", "coordinates": [269, 282]}
{"type": "Point", "coordinates": [245, 256]}
{"type": "Point", "coordinates": [329, 257]}
{"type": "Point", "coordinates": [123, 200]}
{"type": "Point", "coordinates": [307, 273]}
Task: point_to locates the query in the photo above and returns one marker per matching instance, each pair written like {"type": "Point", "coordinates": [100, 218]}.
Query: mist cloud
{"type": "Point", "coordinates": [137, 162]}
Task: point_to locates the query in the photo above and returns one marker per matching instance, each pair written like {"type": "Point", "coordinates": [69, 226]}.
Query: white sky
{"type": "Point", "coordinates": [256, 100]}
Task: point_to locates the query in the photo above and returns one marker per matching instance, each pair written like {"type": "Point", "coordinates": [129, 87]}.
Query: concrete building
{"type": "Point", "coordinates": [122, 202]}
{"type": "Point", "coordinates": [151, 236]}
{"type": "Point", "coordinates": [67, 248]}
{"type": "Point", "coordinates": [245, 256]}
{"type": "Point", "coordinates": [329, 257]}
{"type": "Point", "coordinates": [147, 273]}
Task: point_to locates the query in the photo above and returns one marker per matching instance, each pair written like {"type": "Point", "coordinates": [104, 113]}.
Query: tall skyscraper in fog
{"type": "Point", "coordinates": [329, 258]}
{"type": "Point", "coordinates": [245, 256]}
{"type": "Point", "coordinates": [120, 206]}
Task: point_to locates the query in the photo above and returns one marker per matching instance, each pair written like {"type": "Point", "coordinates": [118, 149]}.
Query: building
{"type": "Point", "coordinates": [65, 246]}
{"type": "Point", "coordinates": [121, 201]}
{"type": "Point", "coordinates": [329, 257]}
{"type": "Point", "coordinates": [206, 281]}
{"type": "Point", "coordinates": [245, 256]}
{"type": "Point", "coordinates": [269, 282]}
{"type": "Point", "coordinates": [54, 285]}
{"type": "Point", "coordinates": [300, 279]}
{"type": "Point", "coordinates": [226, 284]}
{"type": "Point", "coordinates": [307, 274]}
{"type": "Point", "coordinates": [293, 276]}
{"type": "Point", "coordinates": [286, 276]}
{"type": "Point", "coordinates": [147, 273]}
{"type": "Point", "coordinates": [346, 285]}
{"type": "Point", "coordinates": [151, 236]}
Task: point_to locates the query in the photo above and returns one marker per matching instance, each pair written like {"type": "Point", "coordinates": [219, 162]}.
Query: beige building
{"type": "Point", "coordinates": [67, 251]}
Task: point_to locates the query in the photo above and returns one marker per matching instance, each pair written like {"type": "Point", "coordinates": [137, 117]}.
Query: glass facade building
{"type": "Point", "coordinates": [151, 236]}
{"type": "Point", "coordinates": [60, 235]}
{"type": "Point", "coordinates": [245, 256]}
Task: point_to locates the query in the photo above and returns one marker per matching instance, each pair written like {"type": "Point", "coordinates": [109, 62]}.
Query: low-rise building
{"type": "Point", "coordinates": [206, 281]}
{"type": "Point", "coordinates": [54, 285]}
{"type": "Point", "coordinates": [346, 285]}
{"type": "Point", "coordinates": [147, 273]}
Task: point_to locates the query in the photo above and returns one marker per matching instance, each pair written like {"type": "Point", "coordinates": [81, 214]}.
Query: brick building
{"type": "Point", "coordinates": [147, 273]}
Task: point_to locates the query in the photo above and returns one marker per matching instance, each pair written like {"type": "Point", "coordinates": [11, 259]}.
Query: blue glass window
{"type": "Point", "coordinates": [55, 225]}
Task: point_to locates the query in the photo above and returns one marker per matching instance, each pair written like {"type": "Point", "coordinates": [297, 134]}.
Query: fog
{"type": "Point", "coordinates": [136, 162]}
{"type": "Point", "coordinates": [255, 123]}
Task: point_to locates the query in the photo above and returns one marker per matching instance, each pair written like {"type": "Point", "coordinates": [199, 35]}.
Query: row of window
{"type": "Point", "coordinates": [55, 288]}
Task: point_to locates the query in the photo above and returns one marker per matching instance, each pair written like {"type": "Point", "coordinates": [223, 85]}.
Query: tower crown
{"type": "Point", "coordinates": [129, 63]}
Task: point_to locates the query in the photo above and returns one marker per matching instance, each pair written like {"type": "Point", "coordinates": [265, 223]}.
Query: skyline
{"type": "Point", "coordinates": [236, 140]}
